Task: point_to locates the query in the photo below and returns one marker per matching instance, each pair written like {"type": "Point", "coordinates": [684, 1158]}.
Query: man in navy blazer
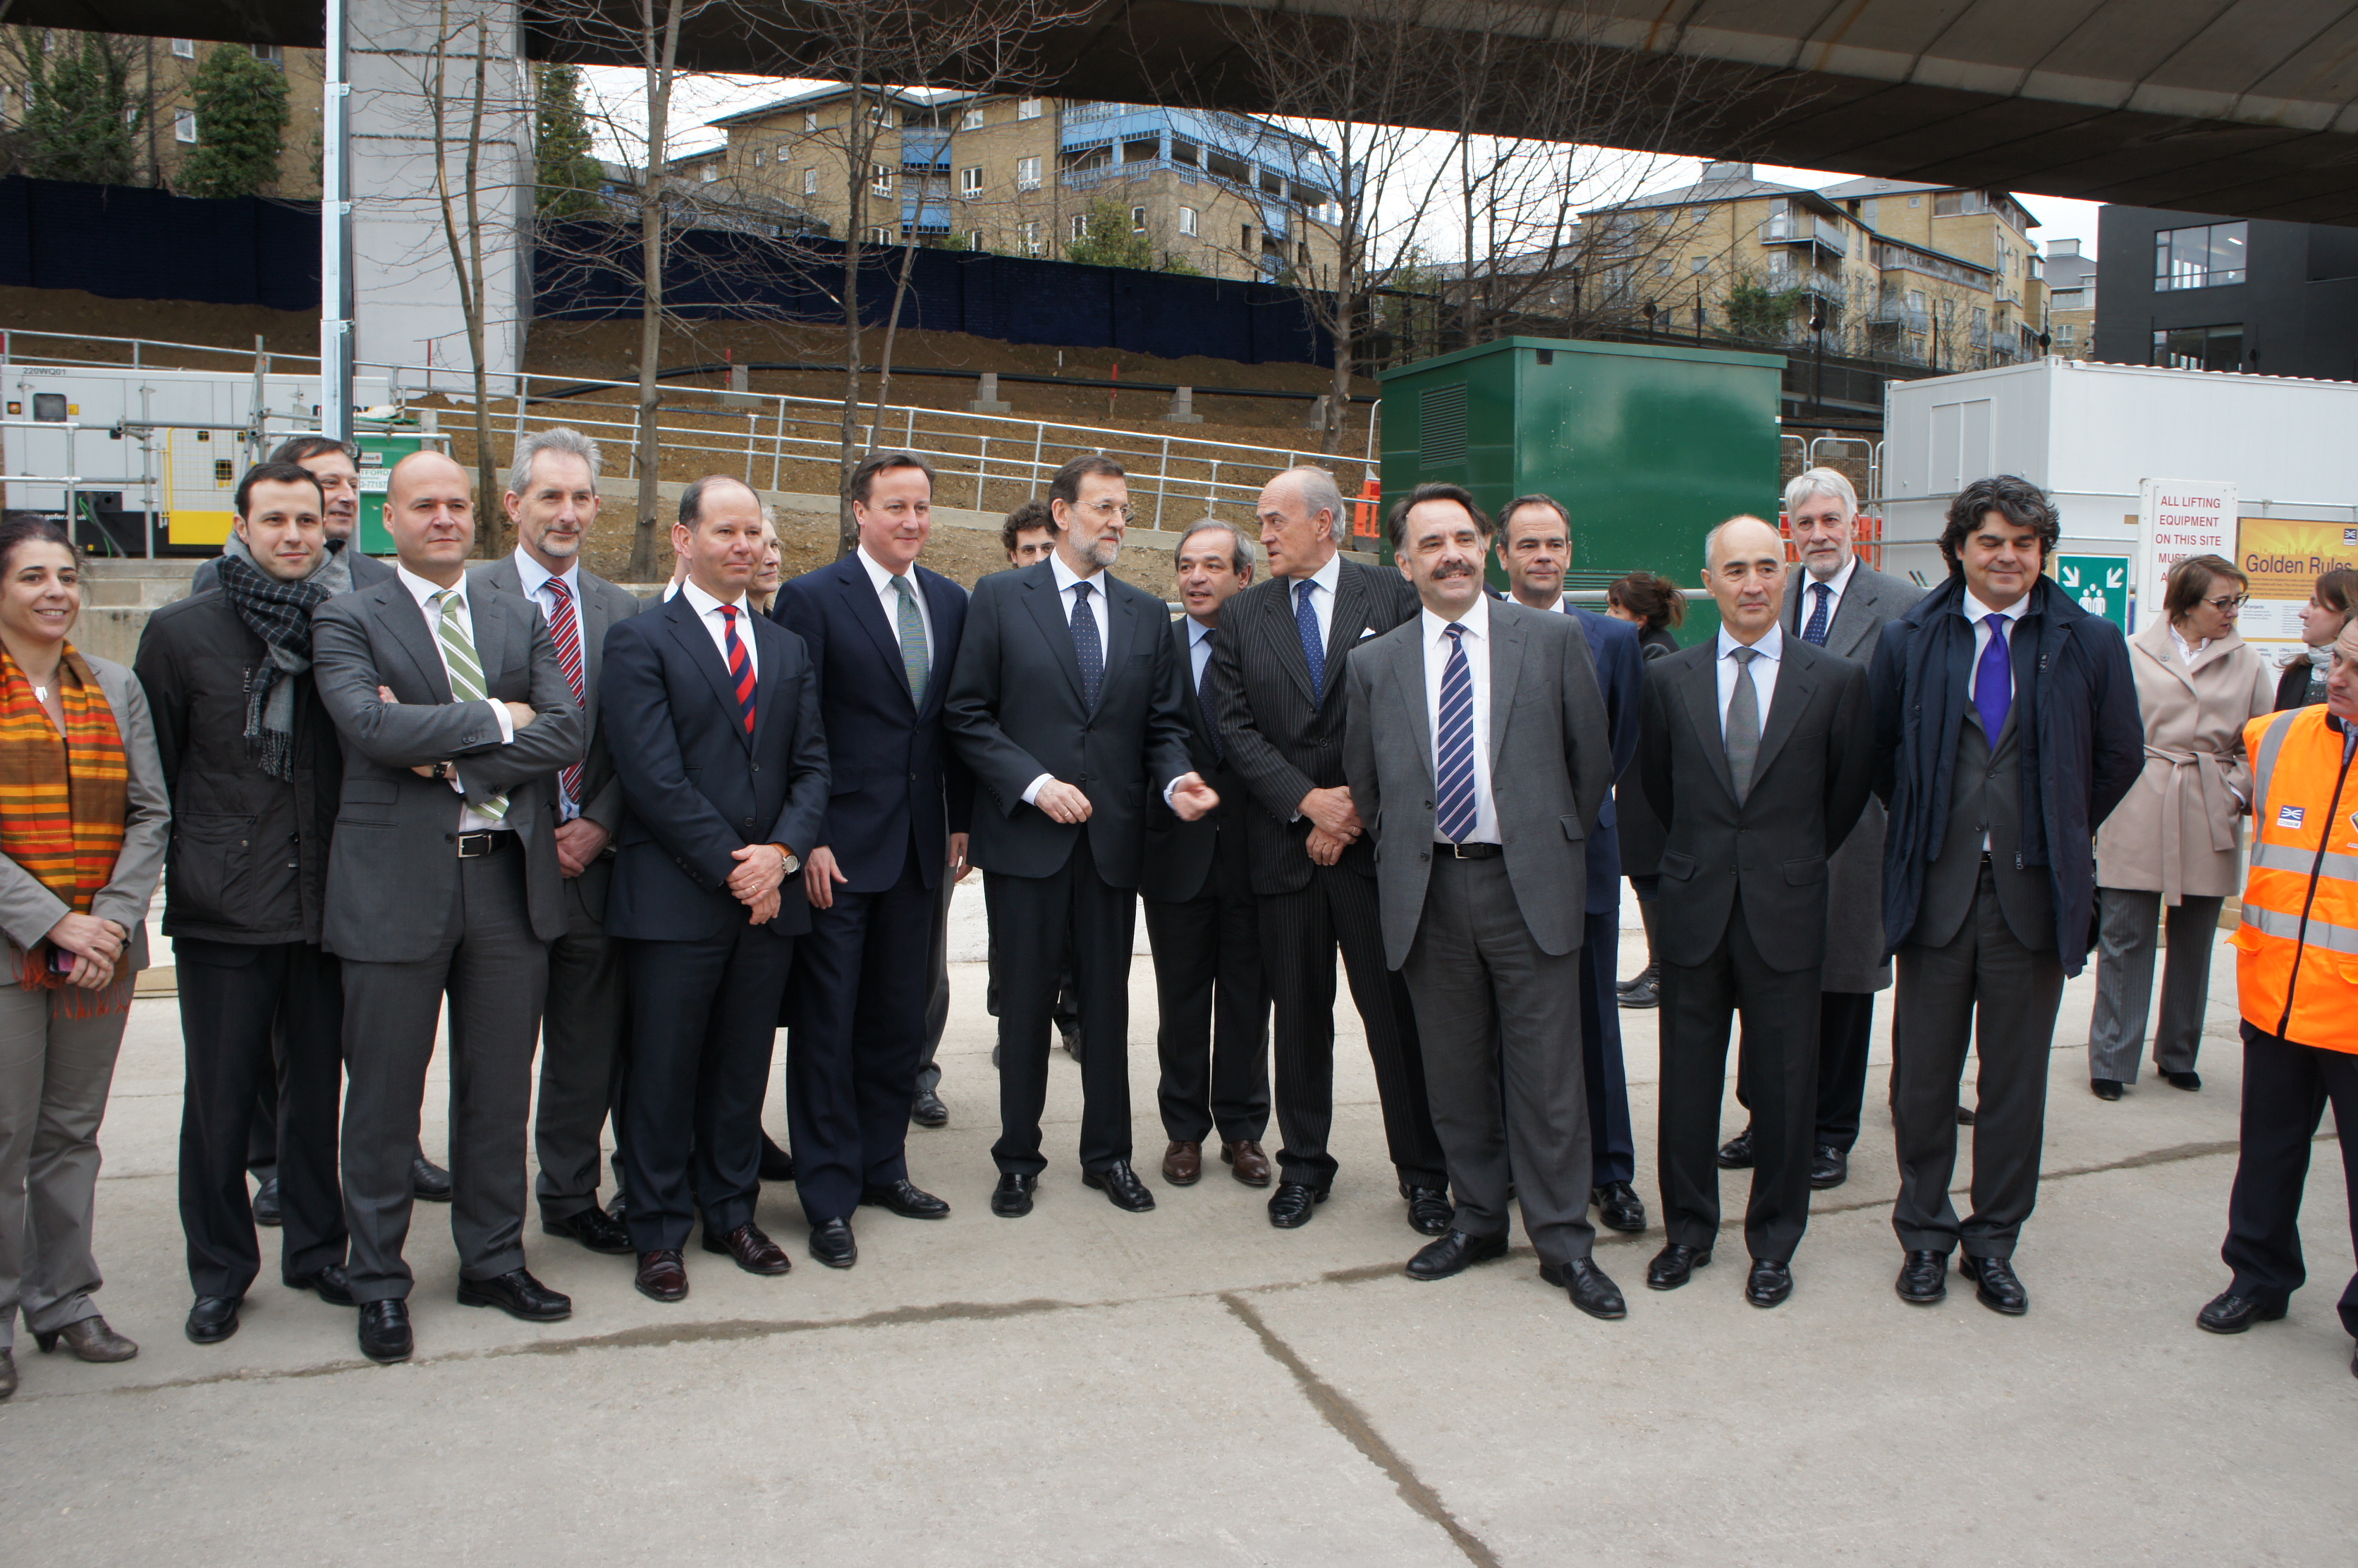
{"type": "Point", "coordinates": [1535, 548]}
{"type": "Point", "coordinates": [712, 716]}
{"type": "Point", "coordinates": [882, 632]}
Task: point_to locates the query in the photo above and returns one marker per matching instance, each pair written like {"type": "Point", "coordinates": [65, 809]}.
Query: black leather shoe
{"type": "Point", "coordinates": [2228, 1313]}
{"type": "Point", "coordinates": [213, 1319]}
{"type": "Point", "coordinates": [1735, 1154]}
{"type": "Point", "coordinates": [662, 1276]}
{"type": "Point", "coordinates": [328, 1279]}
{"type": "Point", "coordinates": [1769, 1283]}
{"type": "Point", "coordinates": [1012, 1199]}
{"type": "Point", "coordinates": [927, 1109]}
{"type": "Point", "coordinates": [618, 1209]}
{"type": "Point", "coordinates": [1589, 1287]}
{"type": "Point", "coordinates": [384, 1330]}
{"type": "Point", "coordinates": [832, 1243]}
{"type": "Point", "coordinates": [593, 1227]}
{"type": "Point", "coordinates": [1994, 1286]}
{"type": "Point", "coordinates": [1829, 1167]}
{"type": "Point", "coordinates": [266, 1210]}
{"type": "Point", "coordinates": [777, 1166]}
{"type": "Point", "coordinates": [2188, 1081]}
{"type": "Point", "coordinates": [906, 1199]}
{"type": "Point", "coordinates": [1645, 993]}
{"type": "Point", "coordinates": [1120, 1183]}
{"type": "Point", "coordinates": [428, 1182]}
{"type": "Point", "coordinates": [1619, 1206]}
{"type": "Point", "coordinates": [2105, 1088]}
{"type": "Point", "coordinates": [1923, 1279]}
{"type": "Point", "coordinates": [1454, 1254]}
{"type": "Point", "coordinates": [1071, 1036]}
{"type": "Point", "coordinates": [1291, 1206]}
{"type": "Point", "coordinates": [1645, 976]}
{"type": "Point", "coordinates": [1674, 1265]}
{"type": "Point", "coordinates": [518, 1294]}
{"type": "Point", "coordinates": [1430, 1211]}
{"type": "Point", "coordinates": [750, 1247]}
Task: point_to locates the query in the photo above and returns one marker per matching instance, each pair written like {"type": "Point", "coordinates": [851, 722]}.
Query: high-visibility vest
{"type": "Point", "coordinates": [2296, 949]}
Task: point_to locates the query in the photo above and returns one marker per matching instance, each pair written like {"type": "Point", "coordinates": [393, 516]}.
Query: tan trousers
{"type": "Point", "coordinates": [55, 1072]}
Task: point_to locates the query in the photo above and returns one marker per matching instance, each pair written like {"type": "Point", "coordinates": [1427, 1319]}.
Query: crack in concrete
{"type": "Point", "coordinates": [1348, 1420]}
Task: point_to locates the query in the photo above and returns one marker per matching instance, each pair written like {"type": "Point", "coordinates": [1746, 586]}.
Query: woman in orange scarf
{"type": "Point", "coordinates": [82, 824]}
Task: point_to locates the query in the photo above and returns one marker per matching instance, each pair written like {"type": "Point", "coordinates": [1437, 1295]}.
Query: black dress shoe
{"type": "Point", "coordinates": [2188, 1081]}
{"type": "Point", "coordinates": [1454, 1254]}
{"type": "Point", "coordinates": [1291, 1206]}
{"type": "Point", "coordinates": [927, 1109]}
{"type": "Point", "coordinates": [777, 1166]}
{"type": "Point", "coordinates": [1012, 1199]}
{"type": "Point", "coordinates": [1829, 1167]}
{"type": "Point", "coordinates": [662, 1276]}
{"type": "Point", "coordinates": [906, 1199]}
{"type": "Point", "coordinates": [1592, 1290]}
{"type": "Point", "coordinates": [1769, 1283]}
{"type": "Point", "coordinates": [1994, 1286]}
{"type": "Point", "coordinates": [1735, 1154]}
{"type": "Point", "coordinates": [1071, 1034]}
{"type": "Point", "coordinates": [428, 1182]}
{"type": "Point", "coordinates": [832, 1243]}
{"type": "Point", "coordinates": [1430, 1211]}
{"type": "Point", "coordinates": [384, 1330]}
{"type": "Point", "coordinates": [618, 1210]}
{"type": "Point", "coordinates": [2228, 1313]}
{"type": "Point", "coordinates": [593, 1227]}
{"type": "Point", "coordinates": [328, 1279]}
{"type": "Point", "coordinates": [1644, 977]}
{"type": "Point", "coordinates": [1120, 1183]}
{"type": "Point", "coordinates": [2105, 1088]}
{"type": "Point", "coordinates": [753, 1251]}
{"type": "Point", "coordinates": [1645, 993]}
{"type": "Point", "coordinates": [213, 1319]}
{"type": "Point", "coordinates": [1923, 1279]}
{"type": "Point", "coordinates": [1619, 1206]}
{"type": "Point", "coordinates": [1674, 1265]}
{"type": "Point", "coordinates": [518, 1294]}
{"type": "Point", "coordinates": [266, 1210]}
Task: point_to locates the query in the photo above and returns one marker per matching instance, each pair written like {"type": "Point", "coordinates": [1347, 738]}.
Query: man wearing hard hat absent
{"type": "Point", "coordinates": [2296, 985]}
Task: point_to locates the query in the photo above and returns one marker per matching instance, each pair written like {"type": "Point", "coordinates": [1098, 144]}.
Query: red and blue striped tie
{"type": "Point", "coordinates": [740, 665]}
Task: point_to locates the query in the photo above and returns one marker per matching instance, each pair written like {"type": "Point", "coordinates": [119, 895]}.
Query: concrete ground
{"type": "Point", "coordinates": [1191, 1386]}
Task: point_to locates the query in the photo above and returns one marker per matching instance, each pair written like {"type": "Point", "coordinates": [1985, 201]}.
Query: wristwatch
{"type": "Point", "coordinates": [793, 861]}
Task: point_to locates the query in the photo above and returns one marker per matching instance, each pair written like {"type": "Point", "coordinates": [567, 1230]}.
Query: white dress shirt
{"type": "Point", "coordinates": [1065, 578]}
{"type": "Point", "coordinates": [1763, 671]}
{"type": "Point", "coordinates": [1835, 586]}
{"type": "Point", "coordinates": [534, 579]}
{"type": "Point", "coordinates": [470, 819]}
{"type": "Point", "coordinates": [1322, 596]}
{"type": "Point", "coordinates": [707, 610]}
{"type": "Point", "coordinates": [1435, 631]}
{"type": "Point", "coordinates": [890, 597]}
{"type": "Point", "coordinates": [1979, 613]}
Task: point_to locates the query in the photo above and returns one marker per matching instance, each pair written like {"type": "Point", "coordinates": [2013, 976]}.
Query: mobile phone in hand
{"type": "Point", "coordinates": [61, 962]}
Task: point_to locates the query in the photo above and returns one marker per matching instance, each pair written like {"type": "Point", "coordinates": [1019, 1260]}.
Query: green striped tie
{"type": "Point", "coordinates": [466, 677]}
{"type": "Point", "coordinates": [912, 640]}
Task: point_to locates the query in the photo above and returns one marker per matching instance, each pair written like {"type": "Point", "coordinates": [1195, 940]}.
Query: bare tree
{"type": "Point", "coordinates": [462, 234]}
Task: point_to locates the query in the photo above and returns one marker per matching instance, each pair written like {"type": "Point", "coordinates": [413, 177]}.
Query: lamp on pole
{"type": "Point", "coordinates": [335, 235]}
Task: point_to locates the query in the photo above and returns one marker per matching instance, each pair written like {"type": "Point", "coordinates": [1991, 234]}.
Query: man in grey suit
{"type": "Point", "coordinates": [1481, 888]}
{"type": "Point", "coordinates": [1839, 604]}
{"type": "Point", "coordinates": [552, 500]}
{"type": "Point", "coordinates": [442, 878]}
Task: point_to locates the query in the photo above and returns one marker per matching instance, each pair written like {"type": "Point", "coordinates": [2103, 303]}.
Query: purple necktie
{"type": "Point", "coordinates": [1993, 684]}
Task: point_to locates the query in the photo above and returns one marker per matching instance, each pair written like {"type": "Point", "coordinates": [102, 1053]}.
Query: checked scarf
{"type": "Point", "coordinates": [280, 614]}
{"type": "Point", "coordinates": [62, 798]}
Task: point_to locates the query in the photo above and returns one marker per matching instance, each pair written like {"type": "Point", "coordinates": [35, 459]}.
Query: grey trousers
{"type": "Point", "coordinates": [55, 1072]}
{"type": "Point", "coordinates": [496, 972]}
{"type": "Point", "coordinates": [2130, 930]}
{"type": "Point", "coordinates": [938, 1005]}
{"type": "Point", "coordinates": [581, 1059]}
{"type": "Point", "coordinates": [1490, 1006]}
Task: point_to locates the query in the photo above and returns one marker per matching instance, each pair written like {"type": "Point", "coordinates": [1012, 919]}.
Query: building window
{"type": "Point", "coordinates": [1244, 237]}
{"type": "Point", "coordinates": [1956, 203]}
{"type": "Point", "coordinates": [971, 121]}
{"type": "Point", "coordinates": [1027, 235]}
{"type": "Point", "coordinates": [2202, 257]}
{"type": "Point", "coordinates": [1138, 220]}
{"type": "Point", "coordinates": [879, 236]}
{"type": "Point", "coordinates": [270, 54]}
{"type": "Point", "coordinates": [757, 158]}
{"type": "Point", "coordinates": [1187, 220]}
{"type": "Point", "coordinates": [2200, 348]}
{"type": "Point", "coordinates": [184, 48]}
{"type": "Point", "coordinates": [184, 125]}
{"type": "Point", "coordinates": [708, 173]}
{"type": "Point", "coordinates": [1027, 174]}
{"type": "Point", "coordinates": [882, 113]}
{"type": "Point", "coordinates": [1301, 254]}
{"type": "Point", "coordinates": [810, 182]}
{"type": "Point", "coordinates": [880, 179]}
{"type": "Point", "coordinates": [1080, 227]}
{"type": "Point", "coordinates": [974, 241]}
{"type": "Point", "coordinates": [810, 122]}
{"type": "Point", "coordinates": [1028, 109]}
{"type": "Point", "coordinates": [1662, 268]}
{"type": "Point", "coordinates": [1696, 264]}
{"type": "Point", "coordinates": [971, 182]}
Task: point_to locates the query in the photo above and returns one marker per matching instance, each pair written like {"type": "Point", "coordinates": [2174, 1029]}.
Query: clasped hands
{"type": "Point", "coordinates": [97, 946]}
{"type": "Point", "coordinates": [761, 871]}
{"type": "Point", "coordinates": [1333, 823]}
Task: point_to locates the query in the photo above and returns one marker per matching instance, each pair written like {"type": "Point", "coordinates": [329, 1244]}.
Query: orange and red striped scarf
{"type": "Point", "coordinates": [62, 797]}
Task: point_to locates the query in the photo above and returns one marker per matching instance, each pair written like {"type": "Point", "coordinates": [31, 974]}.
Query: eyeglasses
{"type": "Point", "coordinates": [1107, 511]}
{"type": "Point", "coordinates": [2232, 603]}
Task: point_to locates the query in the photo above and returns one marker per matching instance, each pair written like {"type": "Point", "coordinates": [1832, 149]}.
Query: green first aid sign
{"type": "Point", "coordinates": [2099, 583]}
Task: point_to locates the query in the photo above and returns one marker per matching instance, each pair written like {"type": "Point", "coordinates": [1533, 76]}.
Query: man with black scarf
{"type": "Point", "coordinates": [255, 771]}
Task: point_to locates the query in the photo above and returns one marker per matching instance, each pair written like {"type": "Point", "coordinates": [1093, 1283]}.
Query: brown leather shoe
{"type": "Point", "coordinates": [1251, 1166]}
{"type": "Point", "coordinates": [662, 1275]}
{"type": "Point", "coordinates": [755, 1253]}
{"type": "Point", "coordinates": [1183, 1163]}
{"type": "Point", "coordinates": [89, 1340]}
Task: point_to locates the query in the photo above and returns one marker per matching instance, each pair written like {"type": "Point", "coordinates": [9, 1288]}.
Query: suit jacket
{"type": "Point", "coordinates": [695, 788]}
{"type": "Point", "coordinates": [1014, 711]}
{"type": "Point", "coordinates": [1550, 765]}
{"type": "Point", "coordinates": [1855, 954]}
{"type": "Point", "coordinates": [1281, 741]}
{"type": "Point", "coordinates": [367, 572]}
{"type": "Point", "coordinates": [1621, 679]}
{"type": "Point", "coordinates": [1180, 855]}
{"type": "Point", "coordinates": [393, 869]}
{"type": "Point", "coordinates": [1764, 859]}
{"type": "Point", "coordinates": [891, 775]}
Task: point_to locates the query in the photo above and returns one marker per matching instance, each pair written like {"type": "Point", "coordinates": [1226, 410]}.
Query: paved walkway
{"type": "Point", "coordinates": [1191, 1387]}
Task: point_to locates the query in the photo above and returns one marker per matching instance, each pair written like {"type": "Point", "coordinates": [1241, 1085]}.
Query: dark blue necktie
{"type": "Point", "coordinates": [1814, 633]}
{"type": "Point", "coordinates": [1453, 743]}
{"type": "Point", "coordinates": [1313, 647]}
{"type": "Point", "coordinates": [1203, 695]}
{"type": "Point", "coordinates": [1992, 683]}
{"type": "Point", "coordinates": [1087, 648]}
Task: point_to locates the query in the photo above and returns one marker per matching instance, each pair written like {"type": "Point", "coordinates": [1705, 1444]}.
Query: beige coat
{"type": "Point", "coordinates": [2179, 830]}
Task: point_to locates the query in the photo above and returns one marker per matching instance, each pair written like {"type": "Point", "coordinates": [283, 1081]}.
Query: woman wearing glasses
{"type": "Point", "coordinates": [2172, 844]}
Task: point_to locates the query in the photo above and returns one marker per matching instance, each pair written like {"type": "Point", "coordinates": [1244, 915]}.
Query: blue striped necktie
{"type": "Point", "coordinates": [1453, 743]}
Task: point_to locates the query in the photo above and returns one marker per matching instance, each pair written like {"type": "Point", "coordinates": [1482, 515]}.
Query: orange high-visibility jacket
{"type": "Point", "coordinates": [2296, 949]}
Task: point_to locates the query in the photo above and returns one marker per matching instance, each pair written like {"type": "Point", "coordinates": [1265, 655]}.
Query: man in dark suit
{"type": "Point", "coordinates": [1535, 548]}
{"type": "Point", "coordinates": [882, 632]}
{"type": "Point", "coordinates": [442, 878]}
{"type": "Point", "coordinates": [1069, 705]}
{"type": "Point", "coordinates": [1756, 750]}
{"type": "Point", "coordinates": [1277, 676]}
{"type": "Point", "coordinates": [552, 500]}
{"type": "Point", "coordinates": [1482, 886]}
{"type": "Point", "coordinates": [712, 713]}
{"type": "Point", "coordinates": [2007, 727]}
{"type": "Point", "coordinates": [1202, 919]}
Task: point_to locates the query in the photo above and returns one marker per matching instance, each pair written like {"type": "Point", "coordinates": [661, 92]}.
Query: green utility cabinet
{"type": "Point", "coordinates": [380, 450]}
{"type": "Point", "coordinates": [1648, 447]}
